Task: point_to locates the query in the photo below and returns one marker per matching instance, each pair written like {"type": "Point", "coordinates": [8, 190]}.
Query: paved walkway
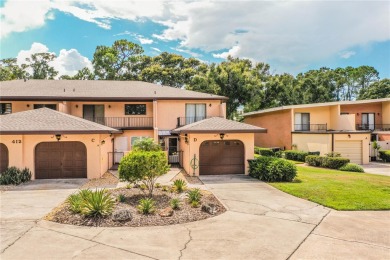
{"type": "Point", "coordinates": [377, 168]}
{"type": "Point", "coordinates": [261, 223]}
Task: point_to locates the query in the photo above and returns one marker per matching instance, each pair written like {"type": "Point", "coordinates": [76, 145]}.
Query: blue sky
{"type": "Point", "coordinates": [292, 36]}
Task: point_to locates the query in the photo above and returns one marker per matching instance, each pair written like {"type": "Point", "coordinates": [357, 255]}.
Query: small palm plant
{"type": "Point", "coordinates": [146, 206]}
{"type": "Point", "coordinates": [96, 203]}
{"type": "Point", "coordinates": [194, 196]}
{"type": "Point", "coordinates": [179, 185]}
{"type": "Point", "coordinates": [175, 203]}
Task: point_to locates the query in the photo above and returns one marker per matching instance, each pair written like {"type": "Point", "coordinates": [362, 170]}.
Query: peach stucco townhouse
{"type": "Point", "coordinates": [346, 127]}
{"type": "Point", "coordinates": [78, 129]}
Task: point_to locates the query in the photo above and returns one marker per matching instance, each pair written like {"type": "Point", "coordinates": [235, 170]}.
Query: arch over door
{"type": "Point", "coordinates": [4, 159]}
{"type": "Point", "coordinates": [57, 160]}
{"type": "Point", "coordinates": [221, 157]}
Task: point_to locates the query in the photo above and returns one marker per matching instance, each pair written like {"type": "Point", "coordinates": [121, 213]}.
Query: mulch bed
{"type": "Point", "coordinates": [185, 214]}
{"type": "Point", "coordinates": [189, 179]}
{"type": "Point", "coordinates": [107, 180]}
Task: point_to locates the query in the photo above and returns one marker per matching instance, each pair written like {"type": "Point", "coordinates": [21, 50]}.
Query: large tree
{"type": "Point", "coordinates": [38, 67]}
{"type": "Point", "coordinates": [378, 89]}
{"type": "Point", "coordinates": [10, 70]}
{"type": "Point", "coordinates": [118, 62]}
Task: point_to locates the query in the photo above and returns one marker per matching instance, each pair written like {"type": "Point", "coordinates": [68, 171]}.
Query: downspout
{"type": "Point", "coordinates": [332, 142]}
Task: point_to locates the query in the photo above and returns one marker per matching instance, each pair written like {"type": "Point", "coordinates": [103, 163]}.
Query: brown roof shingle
{"type": "Point", "coordinates": [97, 90]}
{"type": "Point", "coordinates": [218, 125]}
{"type": "Point", "coordinates": [48, 121]}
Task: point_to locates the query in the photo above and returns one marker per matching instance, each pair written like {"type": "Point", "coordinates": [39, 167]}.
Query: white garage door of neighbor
{"type": "Point", "coordinates": [350, 149]}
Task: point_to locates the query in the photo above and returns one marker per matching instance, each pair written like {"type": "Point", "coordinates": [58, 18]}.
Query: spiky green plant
{"type": "Point", "coordinates": [146, 206]}
{"type": "Point", "coordinates": [175, 203]}
{"type": "Point", "coordinates": [96, 203]}
{"type": "Point", "coordinates": [179, 185]}
{"type": "Point", "coordinates": [194, 195]}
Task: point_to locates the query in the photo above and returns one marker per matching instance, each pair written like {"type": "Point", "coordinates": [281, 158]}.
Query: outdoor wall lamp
{"type": "Point", "coordinates": [186, 138]}
{"type": "Point", "coordinates": [109, 106]}
{"type": "Point", "coordinates": [221, 135]}
{"type": "Point", "coordinates": [58, 137]}
{"type": "Point", "coordinates": [28, 105]}
{"type": "Point", "coordinates": [103, 142]}
{"type": "Point", "coordinates": [77, 106]}
{"type": "Point", "coordinates": [349, 136]}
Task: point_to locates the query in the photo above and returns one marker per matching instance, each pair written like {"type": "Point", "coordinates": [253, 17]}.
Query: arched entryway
{"type": "Point", "coordinates": [221, 157]}
{"type": "Point", "coordinates": [4, 157]}
{"type": "Point", "coordinates": [56, 160]}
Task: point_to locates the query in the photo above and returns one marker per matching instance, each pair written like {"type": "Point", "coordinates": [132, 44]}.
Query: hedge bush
{"type": "Point", "coordinates": [326, 162]}
{"type": "Point", "coordinates": [385, 155]}
{"type": "Point", "coordinates": [15, 176]}
{"type": "Point", "coordinates": [314, 160]}
{"type": "Point", "coordinates": [334, 162]}
{"type": "Point", "coordinates": [352, 167]}
{"type": "Point", "coordinates": [264, 151]}
{"type": "Point", "coordinates": [295, 155]}
{"type": "Point", "coordinates": [272, 169]}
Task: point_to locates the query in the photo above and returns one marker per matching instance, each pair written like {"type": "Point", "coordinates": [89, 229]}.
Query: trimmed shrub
{"type": "Point", "coordinates": [146, 144]}
{"type": "Point", "coordinates": [295, 155]}
{"type": "Point", "coordinates": [314, 153]}
{"type": "Point", "coordinates": [333, 154]}
{"type": "Point", "coordinates": [281, 170]}
{"type": "Point", "coordinates": [314, 160]}
{"type": "Point", "coordinates": [258, 166]}
{"type": "Point", "coordinates": [279, 154]}
{"type": "Point", "coordinates": [272, 169]}
{"type": "Point", "coordinates": [352, 167]}
{"type": "Point", "coordinates": [145, 167]}
{"type": "Point", "coordinates": [15, 176]}
{"type": "Point", "coordinates": [334, 162]}
{"type": "Point", "coordinates": [264, 151]}
{"type": "Point", "coordinates": [385, 155]}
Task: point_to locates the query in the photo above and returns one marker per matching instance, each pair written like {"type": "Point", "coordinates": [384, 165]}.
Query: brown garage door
{"type": "Point", "coordinates": [3, 157]}
{"type": "Point", "coordinates": [221, 157]}
{"type": "Point", "coordinates": [55, 160]}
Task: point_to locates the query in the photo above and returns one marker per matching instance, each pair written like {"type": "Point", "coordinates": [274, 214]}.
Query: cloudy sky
{"type": "Point", "coordinates": [292, 36]}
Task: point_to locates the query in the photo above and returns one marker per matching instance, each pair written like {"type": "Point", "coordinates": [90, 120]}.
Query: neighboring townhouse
{"type": "Point", "coordinates": [74, 128]}
{"type": "Point", "coordinates": [347, 127]}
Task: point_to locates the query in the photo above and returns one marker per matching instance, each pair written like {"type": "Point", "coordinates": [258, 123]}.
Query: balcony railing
{"type": "Point", "coordinates": [123, 122]}
{"type": "Point", "coordinates": [310, 127]}
{"type": "Point", "coordinates": [182, 121]}
{"type": "Point", "coordinates": [373, 127]}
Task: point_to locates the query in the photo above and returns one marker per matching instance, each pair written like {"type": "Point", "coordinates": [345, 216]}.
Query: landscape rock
{"type": "Point", "coordinates": [210, 208]}
{"type": "Point", "coordinates": [167, 212]}
{"type": "Point", "coordinates": [122, 215]}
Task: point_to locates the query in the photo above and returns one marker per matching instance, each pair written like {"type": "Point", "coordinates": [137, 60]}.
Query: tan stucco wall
{"type": "Point", "coordinates": [135, 133]}
{"type": "Point", "coordinates": [169, 110]}
{"type": "Point", "coordinates": [278, 125]}
{"type": "Point", "coordinates": [384, 137]}
{"type": "Point", "coordinates": [19, 106]}
{"type": "Point", "coordinates": [386, 112]}
{"type": "Point", "coordinates": [323, 142]}
{"type": "Point", "coordinates": [363, 108]}
{"type": "Point", "coordinates": [23, 154]}
{"type": "Point", "coordinates": [313, 142]}
{"type": "Point", "coordinates": [365, 138]}
{"type": "Point", "coordinates": [195, 140]}
{"type": "Point", "coordinates": [318, 115]}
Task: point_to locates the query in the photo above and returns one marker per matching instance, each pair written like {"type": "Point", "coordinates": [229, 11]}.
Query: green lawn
{"type": "Point", "coordinates": [339, 190]}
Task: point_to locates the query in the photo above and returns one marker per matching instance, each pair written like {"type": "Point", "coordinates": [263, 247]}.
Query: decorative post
{"type": "Point", "coordinates": [194, 164]}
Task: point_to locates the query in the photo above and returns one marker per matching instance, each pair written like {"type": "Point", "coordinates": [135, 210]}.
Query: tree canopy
{"type": "Point", "coordinates": [247, 84]}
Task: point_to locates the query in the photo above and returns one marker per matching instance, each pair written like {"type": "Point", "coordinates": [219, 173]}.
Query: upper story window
{"type": "Point", "coordinates": [135, 109]}
{"type": "Point", "coordinates": [51, 106]}
{"type": "Point", "coordinates": [302, 122]}
{"type": "Point", "coordinates": [5, 108]}
{"type": "Point", "coordinates": [195, 112]}
{"type": "Point", "coordinates": [368, 121]}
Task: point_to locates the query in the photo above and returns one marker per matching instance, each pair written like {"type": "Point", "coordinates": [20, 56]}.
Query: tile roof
{"type": "Point", "coordinates": [218, 125]}
{"type": "Point", "coordinates": [334, 103]}
{"type": "Point", "coordinates": [98, 90]}
{"type": "Point", "coordinates": [48, 121]}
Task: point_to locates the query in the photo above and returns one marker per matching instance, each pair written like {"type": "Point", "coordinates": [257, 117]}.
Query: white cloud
{"type": "Point", "coordinates": [68, 62]}
{"type": "Point", "coordinates": [234, 52]}
{"type": "Point", "coordinates": [347, 54]}
{"type": "Point", "coordinates": [194, 54]}
{"type": "Point", "coordinates": [156, 49]}
{"type": "Point", "coordinates": [19, 15]}
{"type": "Point", "coordinates": [142, 39]}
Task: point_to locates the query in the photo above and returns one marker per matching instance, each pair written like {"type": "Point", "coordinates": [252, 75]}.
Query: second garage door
{"type": "Point", "coordinates": [56, 160]}
{"type": "Point", "coordinates": [221, 157]}
{"type": "Point", "coordinates": [350, 149]}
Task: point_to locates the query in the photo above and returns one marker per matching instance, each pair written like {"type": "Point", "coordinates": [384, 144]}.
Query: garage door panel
{"type": "Point", "coordinates": [221, 157]}
{"type": "Point", "coordinates": [60, 160]}
{"type": "Point", "coordinates": [350, 149]}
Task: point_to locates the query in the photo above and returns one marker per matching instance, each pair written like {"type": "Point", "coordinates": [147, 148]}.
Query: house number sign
{"type": "Point", "coordinates": [18, 141]}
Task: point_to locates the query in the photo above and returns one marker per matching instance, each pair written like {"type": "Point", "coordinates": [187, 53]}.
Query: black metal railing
{"type": "Point", "coordinates": [182, 121]}
{"type": "Point", "coordinates": [373, 127]}
{"type": "Point", "coordinates": [310, 127]}
{"type": "Point", "coordinates": [123, 122]}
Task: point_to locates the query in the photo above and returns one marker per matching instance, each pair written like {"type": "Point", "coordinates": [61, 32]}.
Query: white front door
{"type": "Point", "coordinates": [120, 146]}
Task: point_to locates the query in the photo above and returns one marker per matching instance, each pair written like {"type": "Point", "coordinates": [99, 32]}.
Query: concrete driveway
{"type": "Point", "coordinates": [377, 168]}
{"type": "Point", "coordinates": [24, 205]}
{"type": "Point", "coordinates": [261, 223]}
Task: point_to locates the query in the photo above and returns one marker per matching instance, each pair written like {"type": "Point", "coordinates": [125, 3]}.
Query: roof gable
{"type": "Point", "coordinates": [48, 121]}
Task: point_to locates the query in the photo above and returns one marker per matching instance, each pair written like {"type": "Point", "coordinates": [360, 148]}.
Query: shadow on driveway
{"type": "Point", "coordinates": [50, 184]}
